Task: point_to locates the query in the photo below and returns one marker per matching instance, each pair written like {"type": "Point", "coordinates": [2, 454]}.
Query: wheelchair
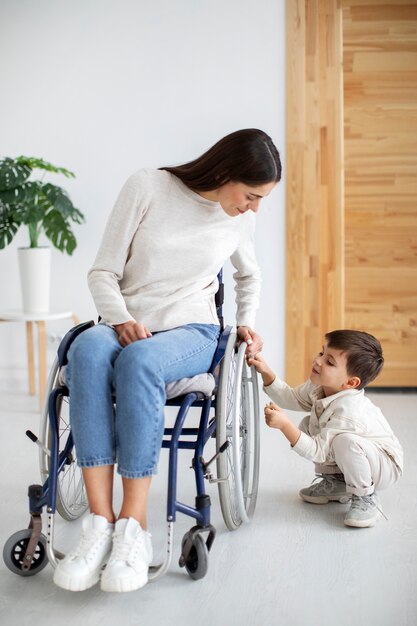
{"type": "Point", "coordinates": [230, 415]}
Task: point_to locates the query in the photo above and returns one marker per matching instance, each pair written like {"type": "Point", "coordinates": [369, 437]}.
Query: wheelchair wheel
{"type": "Point", "coordinates": [71, 499]}
{"type": "Point", "coordinates": [237, 417]}
{"type": "Point", "coordinates": [14, 551]}
{"type": "Point", "coordinates": [196, 563]}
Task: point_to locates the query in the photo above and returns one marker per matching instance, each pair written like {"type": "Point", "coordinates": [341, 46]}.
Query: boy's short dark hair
{"type": "Point", "coordinates": [364, 353]}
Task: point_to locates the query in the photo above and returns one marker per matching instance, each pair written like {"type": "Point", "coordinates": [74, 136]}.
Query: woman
{"type": "Point", "coordinates": [153, 283]}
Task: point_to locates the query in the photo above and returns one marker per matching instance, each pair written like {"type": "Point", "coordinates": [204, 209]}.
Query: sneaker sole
{"type": "Point", "coordinates": [124, 585]}
{"type": "Point", "coordinates": [324, 499]}
{"type": "Point", "coordinates": [69, 583]}
{"type": "Point", "coordinates": [366, 523]}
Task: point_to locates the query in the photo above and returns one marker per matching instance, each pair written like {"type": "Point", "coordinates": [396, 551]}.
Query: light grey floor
{"type": "Point", "coordinates": [295, 564]}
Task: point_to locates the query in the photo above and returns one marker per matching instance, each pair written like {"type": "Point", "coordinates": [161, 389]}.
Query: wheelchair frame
{"type": "Point", "coordinates": [235, 426]}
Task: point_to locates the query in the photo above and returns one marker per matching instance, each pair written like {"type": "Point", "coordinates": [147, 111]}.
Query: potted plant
{"type": "Point", "coordinates": [45, 209]}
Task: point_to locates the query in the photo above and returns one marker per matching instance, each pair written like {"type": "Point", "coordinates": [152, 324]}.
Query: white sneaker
{"type": "Point", "coordinates": [127, 568]}
{"type": "Point", "coordinates": [80, 569]}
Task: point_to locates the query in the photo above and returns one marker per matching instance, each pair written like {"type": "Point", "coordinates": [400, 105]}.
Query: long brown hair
{"type": "Point", "coordinates": [246, 156]}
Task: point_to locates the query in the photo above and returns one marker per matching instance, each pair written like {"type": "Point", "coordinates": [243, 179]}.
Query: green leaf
{"type": "Point", "coordinates": [60, 201]}
{"type": "Point", "coordinates": [58, 198]}
{"type": "Point", "coordinates": [59, 232]}
{"type": "Point", "coordinates": [12, 173]}
{"type": "Point", "coordinates": [8, 226]}
{"type": "Point", "coordinates": [26, 202]}
{"type": "Point", "coordinates": [40, 164]}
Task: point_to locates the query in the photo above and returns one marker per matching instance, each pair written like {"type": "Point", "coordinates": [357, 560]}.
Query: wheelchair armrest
{"type": "Point", "coordinates": [68, 339]}
{"type": "Point", "coordinates": [221, 348]}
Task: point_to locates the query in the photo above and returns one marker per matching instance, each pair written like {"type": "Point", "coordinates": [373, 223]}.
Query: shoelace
{"type": "Point", "coordinates": [329, 481]}
{"type": "Point", "coordinates": [362, 503]}
{"type": "Point", "coordinates": [122, 548]}
{"type": "Point", "coordinates": [89, 544]}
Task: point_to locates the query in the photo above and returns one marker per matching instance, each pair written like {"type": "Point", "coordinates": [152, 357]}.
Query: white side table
{"type": "Point", "coordinates": [40, 320]}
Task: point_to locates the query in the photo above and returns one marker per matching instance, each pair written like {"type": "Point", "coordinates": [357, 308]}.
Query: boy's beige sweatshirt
{"type": "Point", "coordinates": [347, 411]}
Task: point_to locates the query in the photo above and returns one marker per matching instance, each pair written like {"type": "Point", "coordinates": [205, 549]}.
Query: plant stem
{"type": "Point", "coordinates": [33, 235]}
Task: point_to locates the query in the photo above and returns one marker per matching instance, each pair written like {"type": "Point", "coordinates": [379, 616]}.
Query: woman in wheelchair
{"type": "Point", "coordinates": [153, 283]}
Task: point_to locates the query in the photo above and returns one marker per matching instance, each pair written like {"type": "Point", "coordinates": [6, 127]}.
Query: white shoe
{"type": "Point", "coordinates": [80, 569]}
{"type": "Point", "coordinates": [127, 568]}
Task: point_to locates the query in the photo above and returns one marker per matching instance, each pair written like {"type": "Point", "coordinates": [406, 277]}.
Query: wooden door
{"type": "Point", "coordinates": [351, 179]}
{"type": "Point", "coordinates": [380, 142]}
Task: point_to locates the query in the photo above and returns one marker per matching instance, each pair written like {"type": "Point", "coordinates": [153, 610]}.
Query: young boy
{"type": "Point", "coordinates": [345, 435]}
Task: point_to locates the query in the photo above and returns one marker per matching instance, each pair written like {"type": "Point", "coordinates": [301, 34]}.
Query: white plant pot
{"type": "Point", "coordinates": [35, 278]}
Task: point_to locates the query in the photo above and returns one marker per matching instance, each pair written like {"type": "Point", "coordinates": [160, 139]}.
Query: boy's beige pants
{"type": "Point", "coordinates": [365, 466]}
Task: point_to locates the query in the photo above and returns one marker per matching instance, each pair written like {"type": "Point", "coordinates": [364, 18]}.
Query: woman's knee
{"type": "Point", "coordinates": [93, 352]}
{"type": "Point", "coordinates": [137, 360]}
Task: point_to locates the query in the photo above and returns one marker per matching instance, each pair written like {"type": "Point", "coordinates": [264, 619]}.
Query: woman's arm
{"type": "Point", "coordinates": [247, 276]}
{"type": "Point", "coordinates": [108, 268]}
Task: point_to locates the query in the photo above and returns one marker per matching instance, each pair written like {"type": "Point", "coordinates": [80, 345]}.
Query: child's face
{"type": "Point", "coordinates": [329, 371]}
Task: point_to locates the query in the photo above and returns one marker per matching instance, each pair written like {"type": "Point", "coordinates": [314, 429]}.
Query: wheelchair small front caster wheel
{"type": "Point", "coordinates": [196, 562]}
{"type": "Point", "coordinates": [14, 552]}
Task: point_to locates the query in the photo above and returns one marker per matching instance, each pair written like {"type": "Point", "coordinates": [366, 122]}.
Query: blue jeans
{"type": "Point", "coordinates": [129, 433]}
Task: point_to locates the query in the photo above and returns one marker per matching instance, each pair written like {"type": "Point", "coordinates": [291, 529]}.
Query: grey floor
{"type": "Point", "coordinates": [295, 564]}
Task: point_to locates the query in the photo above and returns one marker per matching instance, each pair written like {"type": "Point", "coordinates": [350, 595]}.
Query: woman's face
{"type": "Point", "coordinates": [237, 198]}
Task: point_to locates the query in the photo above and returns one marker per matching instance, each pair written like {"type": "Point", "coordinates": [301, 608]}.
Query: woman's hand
{"type": "Point", "coordinates": [254, 341]}
{"type": "Point", "coordinates": [129, 332]}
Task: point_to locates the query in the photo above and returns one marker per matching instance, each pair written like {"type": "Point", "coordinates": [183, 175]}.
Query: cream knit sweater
{"type": "Point", "coordinates": [162, 249]}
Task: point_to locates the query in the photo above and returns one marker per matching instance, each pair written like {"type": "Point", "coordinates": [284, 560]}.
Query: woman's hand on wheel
{"type": "Point", "coordinates": [254, 341]}
{"type": "Point", "coordinates": [132, 331]}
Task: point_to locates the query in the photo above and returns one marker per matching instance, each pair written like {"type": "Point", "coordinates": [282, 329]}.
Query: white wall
{"type": "Point", "coordinates": [104, 88]}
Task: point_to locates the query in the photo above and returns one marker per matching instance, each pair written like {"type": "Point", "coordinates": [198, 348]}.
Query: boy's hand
{"type": "Point", "coordinates": [262, 367]}
{"type": "Point", "coordinates": [275, 417]}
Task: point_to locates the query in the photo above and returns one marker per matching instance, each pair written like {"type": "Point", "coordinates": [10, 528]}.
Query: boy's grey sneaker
{"type": "Point", "coordinates": [364, 511]}
{"type": "Point", "coordinates": [332, 488]}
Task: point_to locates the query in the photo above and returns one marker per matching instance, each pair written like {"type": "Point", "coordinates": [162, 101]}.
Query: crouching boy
{"type": "Point", "coordinates": [347, 437]}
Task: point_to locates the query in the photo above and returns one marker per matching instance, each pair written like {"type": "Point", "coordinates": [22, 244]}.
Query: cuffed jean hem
{"type": "Point", "coordinates": [138, 474]}
{"type": "Point", "coordinates": [96, 462]}
{"type": "Point", "coordinates": [360, 491]}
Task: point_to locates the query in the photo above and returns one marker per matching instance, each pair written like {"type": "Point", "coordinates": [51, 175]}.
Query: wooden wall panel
{"type": "Point", "coordinates": [314, 179]}
{"type": "Point", "coordinates": [351, 173]}
{"type": "Point", "coordinates": [380, 118]}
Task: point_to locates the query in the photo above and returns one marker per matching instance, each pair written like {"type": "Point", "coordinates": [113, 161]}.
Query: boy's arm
{"type": "Point", "coordinates": [297, 399]}
{"type": "Point", "coordinates": [317, 448]}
